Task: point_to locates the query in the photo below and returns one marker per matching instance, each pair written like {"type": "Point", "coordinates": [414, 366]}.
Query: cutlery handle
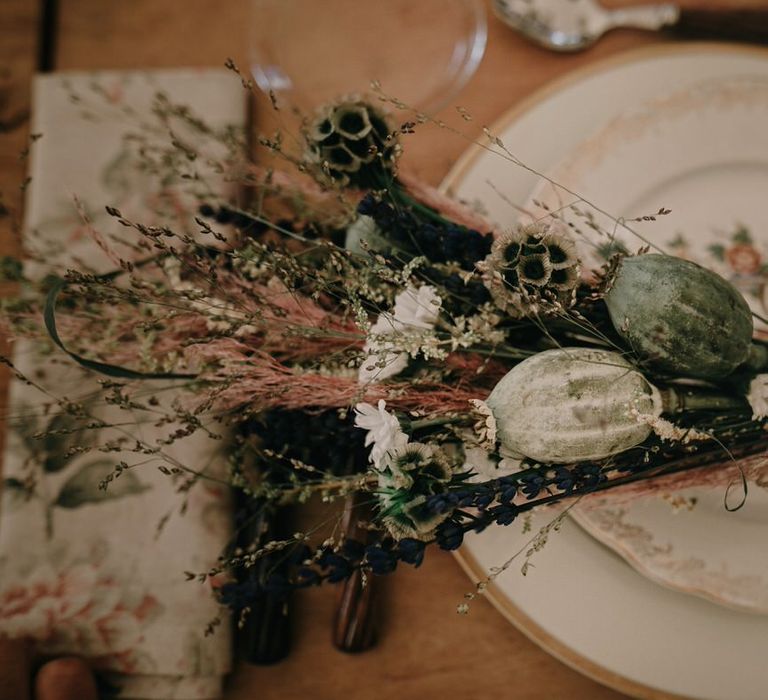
{"type": "Point", "coordinates": [354, 625]}
{"type": "Point", "coordinates": [265, 635]}
{"type": "Point", "coordinates": [748, 24]}
{"type": "Point", "coordinates": [354, 629]}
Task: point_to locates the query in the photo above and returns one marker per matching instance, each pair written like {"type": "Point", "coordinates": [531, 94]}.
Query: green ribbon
{"type": "Point", "coordinates": [49, 316]}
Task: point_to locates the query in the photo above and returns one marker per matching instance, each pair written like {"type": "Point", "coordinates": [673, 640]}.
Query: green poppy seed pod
{"type": "Point", "coordinates": [571, 405]}
{"type": "Point", "coordinates": [680, 316]}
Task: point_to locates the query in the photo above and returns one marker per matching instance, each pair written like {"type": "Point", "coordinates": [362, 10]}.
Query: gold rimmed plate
{"type": "Point", "coordinates": [580, 600]}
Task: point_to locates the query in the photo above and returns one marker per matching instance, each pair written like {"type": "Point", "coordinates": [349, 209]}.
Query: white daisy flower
{"type": "Point", "coordinates": [384, 431]}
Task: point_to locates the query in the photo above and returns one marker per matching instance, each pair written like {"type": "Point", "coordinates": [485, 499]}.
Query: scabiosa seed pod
{"type": "Point", "coordinates": [409, 476]}
{"type": "Point", "coordinates": [571, 405]}
{"type": "Point", "coordinates": [531, 268]}
{"type": "Point", "coordinates": [534, 270]}
{"type": "Point", "coordinates": [679, 316]}
{"type": "Point", "coordinates": [349, 140]}
{"type": "Point", "coordinates": [564, 279]}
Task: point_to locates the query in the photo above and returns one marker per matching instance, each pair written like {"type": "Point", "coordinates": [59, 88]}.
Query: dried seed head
{"type": "Point", "coordinates": [349, 141]}
{"type": "Point", "coordinates": [532, 267]}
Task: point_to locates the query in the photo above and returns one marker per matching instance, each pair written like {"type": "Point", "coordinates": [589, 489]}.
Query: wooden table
{"type": "Point", "coordinates": [426, 650]}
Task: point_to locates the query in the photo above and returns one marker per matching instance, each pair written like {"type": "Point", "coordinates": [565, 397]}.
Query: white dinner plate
{"type": "Point", "coordinates": [579, 600]}
{"type": "Point", "coordinates": [704, 151]}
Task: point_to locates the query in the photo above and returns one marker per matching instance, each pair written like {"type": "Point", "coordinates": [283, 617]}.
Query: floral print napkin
{"type": "Point", "coordinates": [84, 570]}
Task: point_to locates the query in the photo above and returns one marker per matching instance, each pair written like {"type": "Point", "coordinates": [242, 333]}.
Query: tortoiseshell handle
{"type": "Point", "coordinates": [354, 626]}
{"type": "Point", "coordinates": [747, 24]}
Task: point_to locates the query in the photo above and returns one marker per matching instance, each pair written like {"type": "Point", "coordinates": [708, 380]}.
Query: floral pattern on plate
{"type": "Point", "coordinates": [686, 172]}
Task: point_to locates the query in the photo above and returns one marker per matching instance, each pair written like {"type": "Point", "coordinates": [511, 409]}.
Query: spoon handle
{"type": "Point", "coordinates": [748, 24]}
{"type": "Point", "coordinates": [354, 625]}
{"type": "Point", "coordinates": [358, 604]}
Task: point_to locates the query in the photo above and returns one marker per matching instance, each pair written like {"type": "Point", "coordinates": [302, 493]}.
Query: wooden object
{"type": "Point", "coordinates": [354, 622]}
{"type": "Point", "coordinates": [19, 27]}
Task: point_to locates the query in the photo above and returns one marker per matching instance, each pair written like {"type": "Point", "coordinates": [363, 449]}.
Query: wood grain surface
{"type": "Point", "coordinates": [18, 61]}
{"type": "Point", "coordinates": [425, 649]}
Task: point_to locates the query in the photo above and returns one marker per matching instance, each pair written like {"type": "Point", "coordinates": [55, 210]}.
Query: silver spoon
{"type": "Point", "coordinates": [572, 25]}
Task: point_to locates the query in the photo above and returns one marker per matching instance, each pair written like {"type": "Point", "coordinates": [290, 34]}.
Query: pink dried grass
{"type": "Point", "coordinates": [754, 469]}
{"type": "Point", "coordinates": [255, 380]}
{"type": "Point", "coordinates": [288, 325]}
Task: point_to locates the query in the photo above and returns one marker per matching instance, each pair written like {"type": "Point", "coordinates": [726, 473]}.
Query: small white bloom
{"type": "Point", "coordinates": [418, 308]}
{"type": "Point", "coordinates": [758, 396]}
{"type": "Point", "coordinates": [382, 360]}
{"type": "Point", "coordinates": [485, 428]}
{"type": "Point", "coordinates": [384, 431]}
{"type": "Point", "coordinates": [668, 431]}
{"type": "Point", "coordinates": [414, 310]}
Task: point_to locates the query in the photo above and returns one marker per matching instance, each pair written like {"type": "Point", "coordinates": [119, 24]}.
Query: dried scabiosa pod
{"type": "Point", "coordinates": [571, 405]}
{"type": "Point", "coordinates": [350, 142]}
{"type": "Point", "coordinates": [409, 475]}
{"type": "Point", "coordinates": [682, 318]}
{"type": "Point", "coordinates": [532, 268]}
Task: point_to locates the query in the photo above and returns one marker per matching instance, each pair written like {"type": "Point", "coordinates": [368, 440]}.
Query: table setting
{"type": "Point", "coordinates": [385, 348]}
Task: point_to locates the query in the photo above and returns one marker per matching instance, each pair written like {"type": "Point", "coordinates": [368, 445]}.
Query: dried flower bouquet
{"type": "Point", "coordinates": [352, 330]}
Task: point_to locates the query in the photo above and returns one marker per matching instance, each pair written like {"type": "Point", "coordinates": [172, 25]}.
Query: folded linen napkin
{"type": "Point", "coordinates": [100, 573]}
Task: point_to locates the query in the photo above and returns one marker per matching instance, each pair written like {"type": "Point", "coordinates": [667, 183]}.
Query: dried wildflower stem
{"type": "Point", "coordinates": [688, 464]}
{"type": "Point", "coordinates": [436, 422]}
{"type": "Point", "coordinates": [337, 486]}
{"type": "Point", "coordinates": [502, 151]}
{"type": "Point", "coordinates": [529, 548]}
{"type": "Point", "coordinates": [504, 351]}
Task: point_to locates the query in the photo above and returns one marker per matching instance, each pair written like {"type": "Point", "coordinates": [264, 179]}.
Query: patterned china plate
{"type": "Point", "coordinates": [701, 152]}
{"type": "Point", "coordinates": [579, 600]}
